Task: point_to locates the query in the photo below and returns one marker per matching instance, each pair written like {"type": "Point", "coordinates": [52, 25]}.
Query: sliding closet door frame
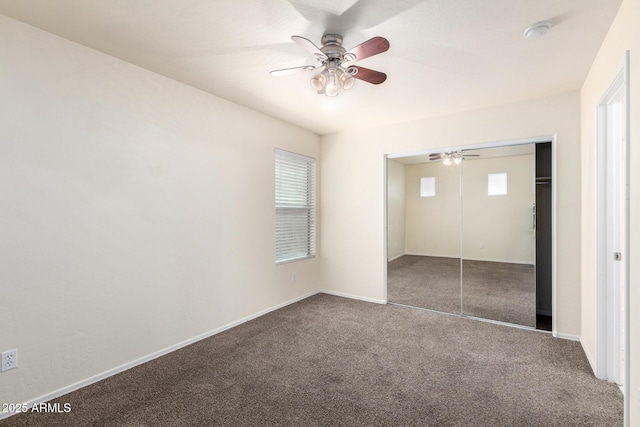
{"type": "Point", "coordinates": [493, 144]}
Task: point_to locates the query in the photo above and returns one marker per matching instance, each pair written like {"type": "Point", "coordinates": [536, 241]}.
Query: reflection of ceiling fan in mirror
{"type": "Point", "coordinates": [335, 62]}
{"type": "Point", "coordinates": [451, 157]}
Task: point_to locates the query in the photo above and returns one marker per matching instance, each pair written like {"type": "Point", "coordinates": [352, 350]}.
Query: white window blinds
{"type": "Point", "coordinates": [295, 206]}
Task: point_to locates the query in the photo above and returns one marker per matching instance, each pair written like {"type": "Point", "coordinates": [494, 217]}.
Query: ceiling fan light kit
{"type": "Point", "coordinates": [327, 81]}
{"type": "Point", "coordinates": [346, 80]}
{"type": "Point", "coordinates": [318, 82]}
{"type": "Point", "coordinates": [450, 158]}
{"type": "Point", "coordinates": [335, 63]}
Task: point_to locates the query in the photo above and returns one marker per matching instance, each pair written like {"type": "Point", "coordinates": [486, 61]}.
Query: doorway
{"type": "Point", "coordinates": [612, 225]}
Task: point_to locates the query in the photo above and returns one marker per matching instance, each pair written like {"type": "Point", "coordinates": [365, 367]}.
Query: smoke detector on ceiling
{"type": "Point", "coordinates": [537, 30]}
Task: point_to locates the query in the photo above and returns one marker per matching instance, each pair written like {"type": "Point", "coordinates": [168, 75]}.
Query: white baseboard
{"type": "Point", "coordinates": [395, 257]}
{"type": "Point", "coordinates": [471, 259]}
{"type": "Point", "coordinates": [88, 381]}
{"type": "Point", "coordinates": [592, 361]}
{"type": "Point", "coordinates": [432, 255]}
{"type": "Point", "coordinates": [566, 336]}
{"type": "Point", "coordinates": [361, 298]}
{"type": "Point", "coordinates": [504, 261]}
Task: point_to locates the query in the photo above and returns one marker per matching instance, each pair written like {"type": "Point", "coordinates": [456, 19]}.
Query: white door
{"type": "Point", "coordinates": [612, 230]}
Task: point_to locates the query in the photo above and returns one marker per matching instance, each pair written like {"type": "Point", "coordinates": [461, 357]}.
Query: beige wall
{"type": "Point", "coordinates": [352, 202]}
{"type": "Point", "coordinates": [498, 228]}
{"type": "Point", "coordinates": [433, 223]}
{"type": "Point", "coordinates": [137, 212]}
{"type": "Point", "coordinates": [494, 228]}
{"type": "Point", "coordinates": [622, 36]}
{"type": "Point", "coordinates": [395, 209]}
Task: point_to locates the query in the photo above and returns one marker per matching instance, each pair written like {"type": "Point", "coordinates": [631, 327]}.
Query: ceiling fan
{"type": "Point", "coordinates": [336, 61]}
{"type": "Point", "coordinates": [450, 157]}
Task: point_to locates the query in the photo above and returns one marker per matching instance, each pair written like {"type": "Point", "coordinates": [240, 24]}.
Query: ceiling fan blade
{"type": "Point", "coordinates": [369, 48]}
{"type": "Point", "coordinates": [435, 156]}
{"type": "Point", "coordinates": [289, 71]}
{"type": "Point", "coordinates": [470, 155]}
{"type": "Point", "coordinates": [308, 45]}
{"type": "Point", "coordinates": [367, 75]}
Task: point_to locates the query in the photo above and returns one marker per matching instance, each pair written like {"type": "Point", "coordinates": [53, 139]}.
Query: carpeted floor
{"type": "Point", "coordinates": [499, 291]}
{"type": "Point", "coordinates": [331, 361]}
{"type": "Point", "coordinates": [491, 290]}
{"type": "Point", "coordinates": [425, 282]}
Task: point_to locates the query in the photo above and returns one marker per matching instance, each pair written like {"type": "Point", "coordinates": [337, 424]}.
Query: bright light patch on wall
{"type": "Point", "coordinates": [428, 186]}
{"type": "Point", "coordinates": [497, 184]}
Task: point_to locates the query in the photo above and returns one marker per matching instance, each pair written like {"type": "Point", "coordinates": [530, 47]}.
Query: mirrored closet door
{"type": "Point", "coordinates": [462, 233]}
{"type": "Point", "coordinates": [424, 234]}
{"type": "Point", "coordinates": [498, 234]}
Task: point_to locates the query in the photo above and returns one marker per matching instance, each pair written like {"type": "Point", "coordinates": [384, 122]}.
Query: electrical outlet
{"type": "Point", "coordinates": [9, 360]}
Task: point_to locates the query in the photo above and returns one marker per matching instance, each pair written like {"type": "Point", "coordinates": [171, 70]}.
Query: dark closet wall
{"type": "Point", "coordinates": [543, 229]}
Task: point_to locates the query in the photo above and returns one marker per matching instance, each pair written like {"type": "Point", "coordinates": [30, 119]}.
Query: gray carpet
{"type": "Point", "coordinates": [426, 282]}
{"type": "Point", "coordinates": [330, 361]}
{"type": "Point", "coordinates": [499, 291]}
{"type": "Point", "coordinates": [491, 290]}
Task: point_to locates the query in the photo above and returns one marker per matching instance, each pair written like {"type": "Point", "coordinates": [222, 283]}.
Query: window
{"type": "Point", "coordinates": [497, 184]}
{"type": "Point", "coordinates": [428, 186]}
{"type": "Point", "coordinates": [295, 207]}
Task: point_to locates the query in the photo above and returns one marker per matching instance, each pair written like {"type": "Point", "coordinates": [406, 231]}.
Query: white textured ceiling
{"type": "Point", "coordinates": [445, 55]}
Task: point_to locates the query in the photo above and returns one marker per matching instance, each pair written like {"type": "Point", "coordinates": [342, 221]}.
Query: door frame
{"type": "Point", "coordinates": [609, 304]}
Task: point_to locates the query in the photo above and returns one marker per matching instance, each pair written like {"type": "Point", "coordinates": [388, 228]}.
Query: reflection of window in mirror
{"type": "Point", "coordinates": [428, 186]}
{"type": "Point", "coordinates": [497, 184]}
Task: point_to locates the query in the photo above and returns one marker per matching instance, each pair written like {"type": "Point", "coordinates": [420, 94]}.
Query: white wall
{"type": "Point", "coordinates": [352, 202]}
{"type": "Point", "coordinates": [395, 209]}
{"type": "Point", "coordinates": [622, 36]}
{"type": "Point", "coordinates": [136, 212]}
